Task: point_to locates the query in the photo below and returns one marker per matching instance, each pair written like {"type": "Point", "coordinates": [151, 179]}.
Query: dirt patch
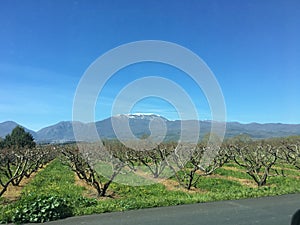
{"type": "Point", "coordinates": [244, 182]}
{"type": "Point", "coordinates": [291, 176]}
{"type": "Point", "coordinates": [88, 190]}
{"type": "Point", "coordinates": [173, 185]}
{"type": "Point", "coordinates": [13, 193]}
{"type": "Point", "coordinates": [233, 169]}
{"type": "Point", "coordinates": [170, 185]}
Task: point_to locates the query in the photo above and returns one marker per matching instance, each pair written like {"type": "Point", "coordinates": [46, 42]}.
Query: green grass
{"type": "Point", "coordinates": [288, 171]}
{"type": "Point", "coordinates": [48, 196]}
{"type": "Point", "coordinates": [232, 173]}
{"type": "Point", "coordinates": [209, 189]}
{"type": "Point", "coordinates": [58, 180]}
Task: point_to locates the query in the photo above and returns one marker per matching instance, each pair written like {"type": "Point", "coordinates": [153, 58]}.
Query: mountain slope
{"type": "Point", "coordinates": [7, 127]}
{"type": "Point", "coordinates": [139, 125]}
{"type": "Point", "coordinates": [60, 132]}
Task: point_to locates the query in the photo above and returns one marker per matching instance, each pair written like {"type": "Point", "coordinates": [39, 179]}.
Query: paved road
{"type": "Point", "coordinates": [276, 210]}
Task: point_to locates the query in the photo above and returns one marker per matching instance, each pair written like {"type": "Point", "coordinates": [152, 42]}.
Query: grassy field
{"type": "Point", "coordinates": [56, 189]}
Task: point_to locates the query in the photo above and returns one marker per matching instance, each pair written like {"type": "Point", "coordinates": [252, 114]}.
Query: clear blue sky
{"type": "Point", "coordinates": [253, 48]}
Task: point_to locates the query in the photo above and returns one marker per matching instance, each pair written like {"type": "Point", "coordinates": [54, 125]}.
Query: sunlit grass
{"type": "Point", "coordinates": [229, 182]}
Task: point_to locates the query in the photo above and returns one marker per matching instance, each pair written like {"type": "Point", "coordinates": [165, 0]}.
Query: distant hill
{"type": "Point", "coordinates": [7, 127]}
{"type": "Point", "coordinates": [60, 132]}
{"type": "Point", "coordinates": [266, 130]}
{"type": "Point", "coordinates": [139, 125]}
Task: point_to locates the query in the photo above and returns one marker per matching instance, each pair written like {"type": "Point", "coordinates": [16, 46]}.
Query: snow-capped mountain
{"type": "Point", "coordinates": [140, 124]}
{"type": "Point", "coordinates": [143, 116]}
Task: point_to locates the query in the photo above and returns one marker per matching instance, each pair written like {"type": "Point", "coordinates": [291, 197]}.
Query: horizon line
{"type": "Point", "coordinates": [148, 114]}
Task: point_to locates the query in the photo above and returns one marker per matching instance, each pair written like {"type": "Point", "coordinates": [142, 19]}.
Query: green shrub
{"type": "Point", "coordinates": [63, 197]}
{"type": "Point", "coordinates": [41, 209]}
{"type": "Point", "coordinates": [83, 202]}
{"type": "Point", "coordinates": [6, 213]}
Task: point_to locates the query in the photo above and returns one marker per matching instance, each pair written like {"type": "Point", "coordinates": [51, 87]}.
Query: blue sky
{"type": "Point", "coordinates": [252, 47]}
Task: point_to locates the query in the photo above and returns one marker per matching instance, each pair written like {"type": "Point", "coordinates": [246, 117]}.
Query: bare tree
{"type": "Point", "coordinates": [186, 160]}
{"type": "Point", "coordinates": [291, 151]}
{"type": "Point", "coordinates": [187, 163]}
{"type": "Point", "coordinates": [84, 159]}
{"type": "Point", "coordinates": [13, 166]}
{"type": "Point", "coordinates": [142, 154]}
{"type": "Point", "coordinates": [38, 157]}
{"type": "Point", "coordinates": [18, 157]}
{"type": "Point", "coordinates": [155, 159]}
{"type": "Point", "coordinates": [257, 157]}
{"type": "Point", "coordinates": [125, 155]}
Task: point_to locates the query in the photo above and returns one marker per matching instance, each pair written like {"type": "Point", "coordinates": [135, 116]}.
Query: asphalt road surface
{"type": "Point", "coordinates": [276, 210]}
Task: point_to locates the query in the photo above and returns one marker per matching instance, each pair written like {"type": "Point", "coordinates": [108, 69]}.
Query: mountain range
{"type": "Point", "coordinates": [140, 125]}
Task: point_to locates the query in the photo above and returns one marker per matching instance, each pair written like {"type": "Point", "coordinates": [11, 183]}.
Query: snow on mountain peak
{"type": "Point", "coordinates": [148, 116]}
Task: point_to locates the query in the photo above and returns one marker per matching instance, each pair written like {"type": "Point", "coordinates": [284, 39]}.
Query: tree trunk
{"type": "Point", "coordinates": [3, 190]}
